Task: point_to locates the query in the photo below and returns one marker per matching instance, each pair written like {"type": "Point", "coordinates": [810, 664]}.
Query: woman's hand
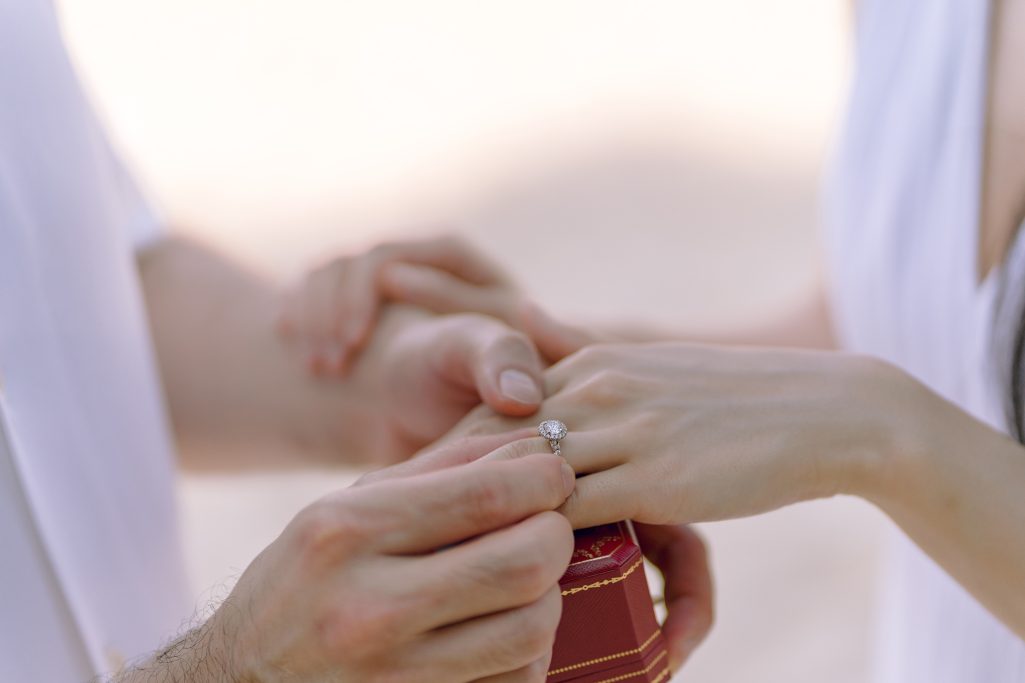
{"type": "Point", "coordinates": [677, 551]}
{"type": "Point", "coordinates": [334, 310]}
{"type": "Point", "coordinates": [680, 555]}
{"type": "Point", "coordinates": [676, 433]}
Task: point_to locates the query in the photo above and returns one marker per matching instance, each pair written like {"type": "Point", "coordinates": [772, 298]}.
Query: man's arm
{"type": "Point", "coordinates": [444, 570]}
{"type": "Point", "coordinates": [240, 395]}
{"type": "Point", "coordinates": [229, 380]}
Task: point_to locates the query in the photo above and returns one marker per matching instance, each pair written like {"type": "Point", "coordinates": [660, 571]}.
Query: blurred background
{"type": "Point", "coordinates": [654, 161]}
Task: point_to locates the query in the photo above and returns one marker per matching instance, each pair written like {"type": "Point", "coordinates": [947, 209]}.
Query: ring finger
{"type": "Point", "coordinates": [586, 452]}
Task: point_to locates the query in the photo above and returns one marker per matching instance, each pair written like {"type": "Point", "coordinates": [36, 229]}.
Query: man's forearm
{"type": "Point", "coordinates": [195, 657]}
{"type": "Point", "coordinates": [230, 381]}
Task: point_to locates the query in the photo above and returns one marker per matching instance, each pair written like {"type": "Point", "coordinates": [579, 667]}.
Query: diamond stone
{"type": "Point", "coordinates": [553, 430]}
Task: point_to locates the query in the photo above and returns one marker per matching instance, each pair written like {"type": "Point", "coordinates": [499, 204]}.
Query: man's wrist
{"type": "Point", "coordinates": [200, 655]}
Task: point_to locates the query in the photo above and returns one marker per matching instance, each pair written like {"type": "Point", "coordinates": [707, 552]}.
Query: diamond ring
{"type": "Point", "coordinates": [554, 431]}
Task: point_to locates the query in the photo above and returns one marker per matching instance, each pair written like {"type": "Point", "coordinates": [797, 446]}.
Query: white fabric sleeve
{"type": "Point", "coordinates": [143, 225]}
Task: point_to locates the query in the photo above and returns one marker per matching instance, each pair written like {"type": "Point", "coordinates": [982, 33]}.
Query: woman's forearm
{"type": "Point", "coordinates": [807, 323]}
{"type": "Point", "coordinates": [677, 433]}
{"type": "Point", "coordinates": [957, 488]}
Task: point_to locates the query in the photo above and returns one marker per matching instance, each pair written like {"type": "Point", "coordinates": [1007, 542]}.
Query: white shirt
{"type": "Point", "coordinates": [902, 210]}
{"type": "Point", "coordinates": [90, 563]}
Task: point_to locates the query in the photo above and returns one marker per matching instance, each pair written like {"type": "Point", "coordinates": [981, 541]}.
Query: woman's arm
{"type": "Point", "coordinates": [957, 488]}
{"type": "Point", "coordinates": [448, 275]}
{"type": "Point", "coordinates": [676, 433]}
{"type": "Point", "coordinates": [806, 324]}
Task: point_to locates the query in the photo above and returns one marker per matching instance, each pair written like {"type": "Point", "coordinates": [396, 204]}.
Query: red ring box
{"type": "Point", "coordinates": [608, 632]}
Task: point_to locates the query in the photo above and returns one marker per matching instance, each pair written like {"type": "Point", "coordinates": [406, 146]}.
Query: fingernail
{"type": "Point", "coordinates": [520, 387]}
{"type": "Point", "coordinates": [569, 478]}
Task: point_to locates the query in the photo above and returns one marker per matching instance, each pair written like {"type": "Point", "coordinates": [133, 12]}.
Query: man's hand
{"type": "Point", "coordinates": [433, 370]}
{"type": "Point", "coordinates": [238, 397]}
{"type": "Point", "coordinates": [428, 573]}
{"type": "Point", "coordinates": [678, 552]}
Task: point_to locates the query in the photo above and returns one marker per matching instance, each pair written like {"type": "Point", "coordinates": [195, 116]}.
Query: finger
{"type": "Point", "coordinates": [586, 452]}
{"type": "Point", "coordinates": [450, 253]}
{"type": "Point", "coordinates": [495, 572]}
{"type": "Point", "coordinates": [603, 498]}
{"type": "Point", "coordinates": [358, 303]}
{"type": "Point", "coordinates": [490, 645]}
{"type": "Point", "coordinates": [497, 363]}
{"type": "Point", "coordinates": [535, 672]}
{"type": "Point", "coordinates": [450, 454]}
{"type": "Point", "coordinates": [554, 339]}
{"type": "Point", "coordinates": [440, 291]}
{"type": "Point", "coordinates": [681, 555]}
{"type": "Point", "coordinates": [451, 505]}
{"type": "Point", "coordinates": [318, 303]}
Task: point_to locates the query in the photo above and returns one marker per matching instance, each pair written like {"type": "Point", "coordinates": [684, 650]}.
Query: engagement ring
{"type": "Point", "coordinates": [554, 431]}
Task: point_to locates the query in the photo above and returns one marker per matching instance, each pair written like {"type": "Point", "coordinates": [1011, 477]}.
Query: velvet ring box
{"type": "Point", "coordinates": [608, 632]}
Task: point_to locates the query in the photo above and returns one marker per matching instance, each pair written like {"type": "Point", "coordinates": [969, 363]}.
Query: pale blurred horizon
{"type": "Point", "coordinates": [666, 155]}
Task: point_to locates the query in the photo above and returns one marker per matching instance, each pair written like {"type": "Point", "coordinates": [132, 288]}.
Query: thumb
{"type": "Point", "coordinates": [555, 340]}
{"type": "Point", "coordinates": [498, 363]}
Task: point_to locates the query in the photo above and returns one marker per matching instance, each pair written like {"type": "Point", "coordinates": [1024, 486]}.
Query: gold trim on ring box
{"type": "Point", "coordinates": [660, 677]}
{"type": "Point", "coordinates": [605, 582]}
{"type": "Point", "coordinates": [608, 658]}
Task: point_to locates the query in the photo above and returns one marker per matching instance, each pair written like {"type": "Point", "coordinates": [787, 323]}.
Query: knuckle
{"type": "Point", "coordinates": [528, 575]}
{"type": "Point", "coordinates": [604, 388]}
{"type": "Point", "coordinates": [323, 532]}
{"type": "Point", "coordinates": [510, 340]}
{"type": "Point", "coordinates": [514, 346]}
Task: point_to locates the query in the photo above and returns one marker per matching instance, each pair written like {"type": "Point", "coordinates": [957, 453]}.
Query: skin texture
{"type": "Point", "coordinates": [458, 583]}
{"type": "Point", "coordinates": [1003, 188]}
{"type": "Point", "coordinates": [236, 384]}
{"type": "Point", "coordinates": [447, 275]}
{"type": "Point", "coordinates": [675, 433]}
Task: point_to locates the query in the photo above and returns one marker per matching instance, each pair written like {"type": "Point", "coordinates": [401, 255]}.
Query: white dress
{"type": "Point", "coordinates": [902, 211]}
